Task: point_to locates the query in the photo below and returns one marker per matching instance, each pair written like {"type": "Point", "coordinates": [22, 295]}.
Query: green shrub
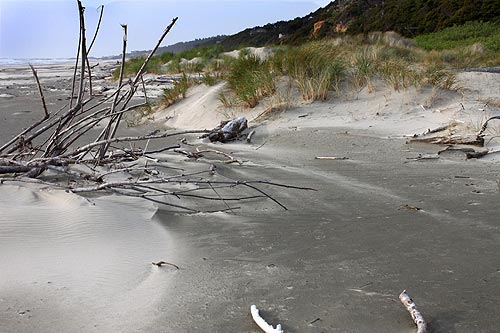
{"type": "Point", "coordinates": [133, 65]}
{"type": "Point", "coordinates": [487, 33]}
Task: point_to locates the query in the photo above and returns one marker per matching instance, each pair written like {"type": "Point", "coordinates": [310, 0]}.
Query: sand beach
{"type": "Point", "coordinates": [385, 215]}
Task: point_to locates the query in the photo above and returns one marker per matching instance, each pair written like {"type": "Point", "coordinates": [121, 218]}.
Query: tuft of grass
{"type": "Point", "coordinates": [178, 91]}
{"type": "Point", "coordinates": [441, 78]}
{"type": "Point", "coordinates": [363, 68]}
{"type": "Point", "coordinates": [399, 74]}
{"type": "Point", "coordinates": [250, 79]}
{"type": "Point", "coordinates": [314, 72]}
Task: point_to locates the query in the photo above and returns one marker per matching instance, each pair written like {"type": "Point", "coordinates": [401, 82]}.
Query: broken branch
{"type": "Point", "coordinates": [415, 314]}
{"type": "Point", "coordinates": [262, 323]}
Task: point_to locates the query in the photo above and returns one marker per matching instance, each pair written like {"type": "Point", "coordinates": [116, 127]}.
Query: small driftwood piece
{"type": "Point", "coordinates": [262, 323]}
{"type": "Point", "coordinates": [485, 125]}
{"type": "Point", "coordinates": [468, 151]}
{"type": "Point", "coordinates": [334, 158]}
{"type": "Point", "coordinates": [417, 317]}
{"type": "Point", "coordinates": [423, 157]}
{"type": "Point", "coordinates": [456, 139]}
{"type": "Point", "coordinates": [249, 136]}
{"type": "Point", "coordinates": [161, 263]}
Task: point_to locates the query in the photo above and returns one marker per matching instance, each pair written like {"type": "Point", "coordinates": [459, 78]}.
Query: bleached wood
{"type": "Point", "coordinates": [417, 317]}
{"type": "Point", "coordinates": [262, 323]}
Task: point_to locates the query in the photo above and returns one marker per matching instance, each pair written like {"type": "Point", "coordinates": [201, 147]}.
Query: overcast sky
{"type": "Point", "coordinates": [49, 28]}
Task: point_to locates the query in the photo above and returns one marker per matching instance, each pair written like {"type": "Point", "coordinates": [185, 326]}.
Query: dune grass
{"type": "Point", "coordinates": [178, 91]}
{"type": "Point", "coordinates": [251, 79]}
{"type": "Point", "coordinates": [206, 54]}
{"type": "Point", "coordinates": [325, 68]}
{"type": "Point", "coordinates": [314, 71]}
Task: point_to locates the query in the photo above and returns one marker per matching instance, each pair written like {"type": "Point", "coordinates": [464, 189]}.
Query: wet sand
{"type": "Point", "coordinates": [336, 261]}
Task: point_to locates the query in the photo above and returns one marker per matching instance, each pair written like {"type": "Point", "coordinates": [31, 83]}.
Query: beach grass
{"type": "Point", "coordinates": [321, 68]}
{"type": "Point", "coordinates": [251, 79]}
{"type": "Point", "coordinates": [177, 92]}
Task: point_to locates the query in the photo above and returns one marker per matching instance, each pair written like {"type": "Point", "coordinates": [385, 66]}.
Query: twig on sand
{"type": "Point", "coordinates": [249, 136]}
{"type": "Point", "coordinates": [335, 158]}
{"type": "Point", "coordinates": [262, 323]}
{"type": "Point", "coordinates": [218, 152]}
{"type": "Point", "coordinates": [160, 263]}
{"type": "Point", "coordinates": [415, 314]}
{"type": "Point", "coordinates": [485, 125]}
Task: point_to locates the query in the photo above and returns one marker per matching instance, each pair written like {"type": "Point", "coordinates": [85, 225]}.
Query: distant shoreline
{"type": "Point", "coordinates": [43, 61]}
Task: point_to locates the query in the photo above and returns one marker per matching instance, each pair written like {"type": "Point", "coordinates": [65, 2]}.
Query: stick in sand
{"type": "Point", "coordinates": [415, 314]}
{"type": "Point", "coordinates": [262, 323]}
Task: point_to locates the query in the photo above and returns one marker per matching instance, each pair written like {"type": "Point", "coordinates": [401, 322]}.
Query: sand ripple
{"type": "Point", "coordinates": [88, 254]}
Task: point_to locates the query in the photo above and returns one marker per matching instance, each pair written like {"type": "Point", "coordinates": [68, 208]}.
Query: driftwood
{"type": "Point", "coordinates": [161, 263]}
{"type": "Point", "coordinates": [485, 125]}
{"type": "Point", "coordinates": [415, 314]}
{"type": "Point", "coordinates": [333, 158]}
{"type": "Point", "coordinates": [471, 139]}
{"type": "Point", "coordinates": [250, 135]}
{"type": "Point", "coordinates": [456, 141]}
{"type": "Point", "coordinates": [262, 323]}
{"type": "Point", "coordinates": [228, 130]}
{"type": "Point", "coordinates": [469, 152]}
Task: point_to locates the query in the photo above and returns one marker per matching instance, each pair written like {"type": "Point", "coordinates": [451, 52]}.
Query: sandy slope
{"type": "Point", "coordinates": [379, 109]}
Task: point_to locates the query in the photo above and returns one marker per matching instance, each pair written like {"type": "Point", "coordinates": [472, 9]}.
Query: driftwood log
{"type": "Point", "coordinates": [228, 130]}
{"type": "Point", "coordinates": [455, 139]}
{"type": "Point", "coordinates": [457, 142]}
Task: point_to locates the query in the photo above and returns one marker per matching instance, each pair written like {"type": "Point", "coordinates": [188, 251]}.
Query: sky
{"type": "Point", "coordinates": [49, 28]}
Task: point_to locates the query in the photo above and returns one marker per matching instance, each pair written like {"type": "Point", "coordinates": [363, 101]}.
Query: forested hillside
{"type": "Point", "coordinates": [408, 17]}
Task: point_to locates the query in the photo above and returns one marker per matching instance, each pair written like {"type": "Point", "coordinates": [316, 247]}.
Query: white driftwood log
{"type": "Point", "coordinates": [415, 314]}
{"type": "Point", "coordinates": [262, 323]}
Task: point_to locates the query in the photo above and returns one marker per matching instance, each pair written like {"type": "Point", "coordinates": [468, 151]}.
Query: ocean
{"type": "Point", "coordinates": [34, 61]}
